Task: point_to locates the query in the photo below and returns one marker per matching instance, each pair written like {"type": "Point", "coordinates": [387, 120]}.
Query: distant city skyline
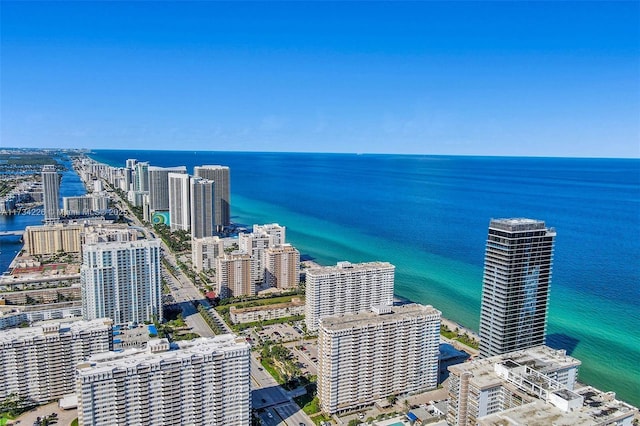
{"type": "Point", "coordinates": [441, 78]}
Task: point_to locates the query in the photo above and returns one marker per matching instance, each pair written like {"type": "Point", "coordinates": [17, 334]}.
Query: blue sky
{"type": "Point", "coordinates": [470, 78]}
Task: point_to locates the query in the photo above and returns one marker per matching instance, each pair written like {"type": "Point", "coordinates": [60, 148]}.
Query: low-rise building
{"type": "Point", "coordinates": [267, 312]}
{"type": "Point", "coordinates": [491, 385]}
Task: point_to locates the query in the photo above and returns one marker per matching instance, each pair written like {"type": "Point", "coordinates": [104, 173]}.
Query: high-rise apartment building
{"type": "Point", "coordinates": [206, 381]}
{"type": "Point", "coordinates": [121, 280]}
{"type": "Point", "coordinates": [255, 245]}
{"type": "Point", "coordinates": [515, 290]}
{"type": "Point", "coordinates": [282, 266]}
{"type": "Point", "coordinates": [141, 181]}
{"type": "Point", "coordinates": [159, 186]}
{"type": "Point", "coordinates": [50, 193]}
{"type": "Point", "coordinates": [369, 356]}
{"type": "Point", "coordinates": [233, 275]}
{"type": "Point", "coordinates": [179, 202]}
{"type": "Point", "coordinates": [220, 175]}
{"type": "Point", "coordinates": [205, 251]}
{"type": "Point", "coordinates": [40, 362]}
{"type": "Point", "coordinates": [202, 207]}
{"type": "Point", "coordinates": [346, 288]}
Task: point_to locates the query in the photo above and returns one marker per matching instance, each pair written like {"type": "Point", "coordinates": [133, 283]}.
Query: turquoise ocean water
{"type": "Point", "coordinates": [429, 215]}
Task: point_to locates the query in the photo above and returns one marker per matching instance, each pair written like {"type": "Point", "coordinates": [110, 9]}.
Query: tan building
{"type": "Point", "coordinates": [282, 266]}
{"type": "Point", "coordinates": [233, 275]}
{"type": "Point", "coordinates": [52, 239]}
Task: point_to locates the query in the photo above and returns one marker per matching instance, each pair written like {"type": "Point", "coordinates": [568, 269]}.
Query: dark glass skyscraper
{"type": "Point", "coordinates": [515, 290]}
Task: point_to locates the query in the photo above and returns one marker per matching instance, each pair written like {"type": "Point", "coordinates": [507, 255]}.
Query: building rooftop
{"type": "Point", "coordinates": [517, 224]}
{"type": "Point", "coordinates": [542, 359]}
{"type": "Point", "coordinates": [387, 315]}
{"type": "Point", "coordinates": [159, 350]}
{"type": "Point", "coordinates": [57, 327]}
{"type": "Point", "coordinates": [342, 266]}
{"type": "Point", "coordinates": [598, 408]}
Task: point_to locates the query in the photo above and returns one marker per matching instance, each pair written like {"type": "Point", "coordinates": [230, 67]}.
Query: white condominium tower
{"type": "Point", "coordinates": [282, 266]}
{"type": "Point", "coordinates": [221, 177]}
{"type": "Point", "coordinates": [50, 193]}
{"type": "Point", "coordinates": [179, 202]}
{"type": "Point", "coordinates": [40, 362]}
{"type": "Point", "coordinates": [206, 381]}
{"type": "Point", "coordinates": [515, 289]}
{"type": "Point", "coordinates": [159, 186]}
{"type": "Point", "coordinates": [346, 289]}
{"type": "Point", "coordinates": [205, 251]}
{"type": "Point", "coordinates": [122, 281]}
{"type": "Point", "coordinates": [369, 356]}
{"type": "Point", "coordinates": [141, 180]}
{"type": "Point", "coordinates": [202, 207]}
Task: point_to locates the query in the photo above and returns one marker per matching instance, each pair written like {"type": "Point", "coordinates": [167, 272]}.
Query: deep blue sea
{"type": "Point", "coordinates": [429, 216]}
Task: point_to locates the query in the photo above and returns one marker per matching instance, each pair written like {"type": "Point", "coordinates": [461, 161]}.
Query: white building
{"type": "Point", "coordinates": [202, 207]}
{"type": "Point", "coordinates": [204, 382]}
{"type": "Point", "coordinates": [347, 289]}
{"type": "Point", "coordinates": [282, 267]}
{"type": "Point", "coordinates": [205, 251]}
{"type": "Point", "coordinates": [233, 275]}
{"type": "Point", "coordinates": [85, 204]}
{"type": "Point", "coordinates": [39, 362]}
{"type": "Point", "coordinates": [483, 387]}
{"type": "Point", "coordinates": [277, 234]}
{"type": "Point", "coordinates": [220, 175]}
{"type": "Point", "coordinates": [366, 357]}
{"type": "Point", "coordinates": [51, 193]}
{"type": "Point", "coordinates": [179, 202]}
{"type": "Point", "coordinates": [122, 281]}
{"type": "Point", "coordinates": [141, 177]}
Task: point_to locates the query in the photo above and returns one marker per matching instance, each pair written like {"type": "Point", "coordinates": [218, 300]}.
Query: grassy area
{"type": "Point", "coordinates": [321, 418]}
{"type": "Point", "coordinates": [74, 422]}
{"type": "Point", "coordinates": [268, 365]}
{"type": "Point", "coordinates": [310, 404]}
{"type": "Point", "coordinates": [465, 339]}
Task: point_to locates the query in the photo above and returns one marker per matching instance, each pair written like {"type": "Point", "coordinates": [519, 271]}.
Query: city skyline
{"type": "Point", "coordinates": [514, 79]}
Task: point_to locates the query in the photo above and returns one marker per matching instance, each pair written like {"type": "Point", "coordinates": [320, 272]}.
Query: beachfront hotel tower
{"type": "Point", "coordinates": [515, 290]}
{"type": "Point", "coordinates": [50, 194]}
{"type": "Point", "coordinates": [347, 288]}
{"type": "Point", "coordinates": [366, 357]}
{"type": "Point", "coordinates": [220, 175]}
{"type": "Point", "coordinates": [121, 280]}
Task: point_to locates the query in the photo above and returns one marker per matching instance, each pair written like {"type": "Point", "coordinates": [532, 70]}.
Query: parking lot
{"type": "Point", "coordinates": [65, 417]}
